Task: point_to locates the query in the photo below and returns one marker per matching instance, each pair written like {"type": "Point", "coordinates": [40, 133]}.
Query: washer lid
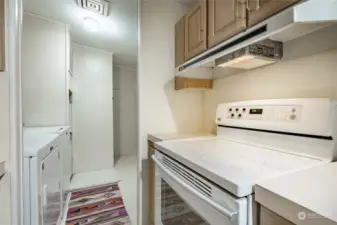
{"type": "Point", "coordinates": [234, 166]}
{"type": "Point", "coordinates": [33, 143]}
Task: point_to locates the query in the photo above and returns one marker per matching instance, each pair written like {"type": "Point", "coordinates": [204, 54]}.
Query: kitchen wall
{"type": "Point", "coordinates": [307, 71]}
{"type": "Point", "coordinates": [162, 108]}
{"type": "Point", "coordinates": [92, 109]}
{"type": "Point", "coordinates": [125, 111]}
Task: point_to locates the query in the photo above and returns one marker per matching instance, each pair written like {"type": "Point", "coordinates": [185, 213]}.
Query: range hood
{"type": "Point", "coordinates": [259, 54]}
{"type": "Point", "coordinates": [299, 20]}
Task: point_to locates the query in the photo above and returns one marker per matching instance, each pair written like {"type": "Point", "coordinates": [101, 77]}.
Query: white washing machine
{"type": "Point", "coordinates": [65, 148]}
{"type": "Point", "coordinates": [43, 197]}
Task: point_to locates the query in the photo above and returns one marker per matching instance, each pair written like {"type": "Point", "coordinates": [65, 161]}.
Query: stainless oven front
{"type": "Point", "coordinates": [184, 197]}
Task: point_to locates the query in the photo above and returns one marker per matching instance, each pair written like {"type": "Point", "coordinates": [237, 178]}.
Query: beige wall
{"type": "Point", "coordinates": [313, 76]}
{"type": "Point", "coordinates": [163, 110]}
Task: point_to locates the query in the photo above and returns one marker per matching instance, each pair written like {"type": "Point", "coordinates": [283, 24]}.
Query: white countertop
{"type": "Point", "coordinates": [312, 193]}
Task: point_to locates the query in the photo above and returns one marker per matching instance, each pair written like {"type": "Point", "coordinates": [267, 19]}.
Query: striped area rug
{"type": "Point", "coordinates": [97, 205]}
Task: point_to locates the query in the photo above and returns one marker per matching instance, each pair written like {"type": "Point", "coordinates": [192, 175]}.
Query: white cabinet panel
{"type": "Point", "coordinates": [44, 90]}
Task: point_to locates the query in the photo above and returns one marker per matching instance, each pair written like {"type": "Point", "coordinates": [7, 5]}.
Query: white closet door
{"type": "Point", "coordinates": [92, 109]}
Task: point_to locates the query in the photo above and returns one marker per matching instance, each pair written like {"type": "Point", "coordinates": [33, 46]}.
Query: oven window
{"type": "Point", "coordinates": [175, 210]}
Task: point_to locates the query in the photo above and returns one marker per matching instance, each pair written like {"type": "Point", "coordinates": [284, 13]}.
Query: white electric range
{"type": "Point", "coordinates": [210, 180]}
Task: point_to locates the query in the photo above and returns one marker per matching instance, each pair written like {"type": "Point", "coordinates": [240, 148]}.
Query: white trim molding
{"type": "Point", "coordinates": [13, 37]}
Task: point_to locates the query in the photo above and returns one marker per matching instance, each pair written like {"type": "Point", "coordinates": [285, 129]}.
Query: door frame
{"type": "Point", "coordinates": [13, 13]}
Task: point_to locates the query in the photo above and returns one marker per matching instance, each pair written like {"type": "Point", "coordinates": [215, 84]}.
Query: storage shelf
{"type": "Point", "coordinates": [183, 83]}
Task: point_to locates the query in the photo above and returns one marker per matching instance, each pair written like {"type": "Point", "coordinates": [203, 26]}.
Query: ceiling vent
{"type": "Point", "coordinates": [98, 6]}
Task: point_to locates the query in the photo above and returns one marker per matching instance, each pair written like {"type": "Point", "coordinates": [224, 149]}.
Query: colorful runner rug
{"type": "Point", "coordinates": [98, 205]}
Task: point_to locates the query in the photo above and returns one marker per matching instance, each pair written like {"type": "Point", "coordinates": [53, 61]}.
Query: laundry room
{"type": "Point", "coordinates": [79, 111]}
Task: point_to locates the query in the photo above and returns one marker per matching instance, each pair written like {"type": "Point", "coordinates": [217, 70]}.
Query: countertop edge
{"type": "Point", "coordinates": [153, 138]}
{"type": "Point", "coordinates": [288, 209]}
{"type": "Point", "coordinates": [177, 135]}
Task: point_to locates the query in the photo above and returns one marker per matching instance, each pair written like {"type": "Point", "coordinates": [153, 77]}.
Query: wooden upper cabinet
{"type": "Point", "coordinates": [180, 42]}
{"type": "Point", "coordinates": [226, 18]}
{"type": "Point", "coordinates": [196, 30]}
{"type": "Point", "coordinates": [260, 10]}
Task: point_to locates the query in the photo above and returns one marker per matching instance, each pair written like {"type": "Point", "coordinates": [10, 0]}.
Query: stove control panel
{"type": "Point", "coordinates": [288, 113]}
{"type": "Point", "coordinates": [313, 116]}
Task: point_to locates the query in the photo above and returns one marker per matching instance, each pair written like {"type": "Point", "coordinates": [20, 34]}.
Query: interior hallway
{"type": "Point", "coordinates": [125, 171]}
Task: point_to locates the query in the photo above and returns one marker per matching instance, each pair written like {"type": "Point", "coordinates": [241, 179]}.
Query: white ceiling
{"type": "Point", "coordinates": [117, 33]}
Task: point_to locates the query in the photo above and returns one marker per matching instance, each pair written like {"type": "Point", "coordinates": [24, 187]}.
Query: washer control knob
{"type": "Point", "coordinates": [292, 117]}
{"type": "Point", "coordinates": [232, 115]}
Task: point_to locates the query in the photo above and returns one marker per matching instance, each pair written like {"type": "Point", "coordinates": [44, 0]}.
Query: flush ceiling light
{"type": "Point", "coordinates": [90, 24]}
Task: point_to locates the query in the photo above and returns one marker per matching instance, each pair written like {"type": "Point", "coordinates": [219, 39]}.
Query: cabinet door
{"type": "Point", "coordinates": [180, 42]}
{"type": "Point", "coordinates": [226, 18]}
{"type": "Point", "coordinates": [268, 217]}
{"type": "Point", "coordinates": [260, 10]}
{"type": "Point", "coordinates": [196, 30]}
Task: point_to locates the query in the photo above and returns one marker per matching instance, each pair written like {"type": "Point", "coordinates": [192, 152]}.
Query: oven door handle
{"type": "Point", "coordinates": [232, 216]}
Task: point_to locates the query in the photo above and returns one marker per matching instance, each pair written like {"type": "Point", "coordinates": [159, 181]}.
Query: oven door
{"type": "Point", "coordinates": [178, 201]}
